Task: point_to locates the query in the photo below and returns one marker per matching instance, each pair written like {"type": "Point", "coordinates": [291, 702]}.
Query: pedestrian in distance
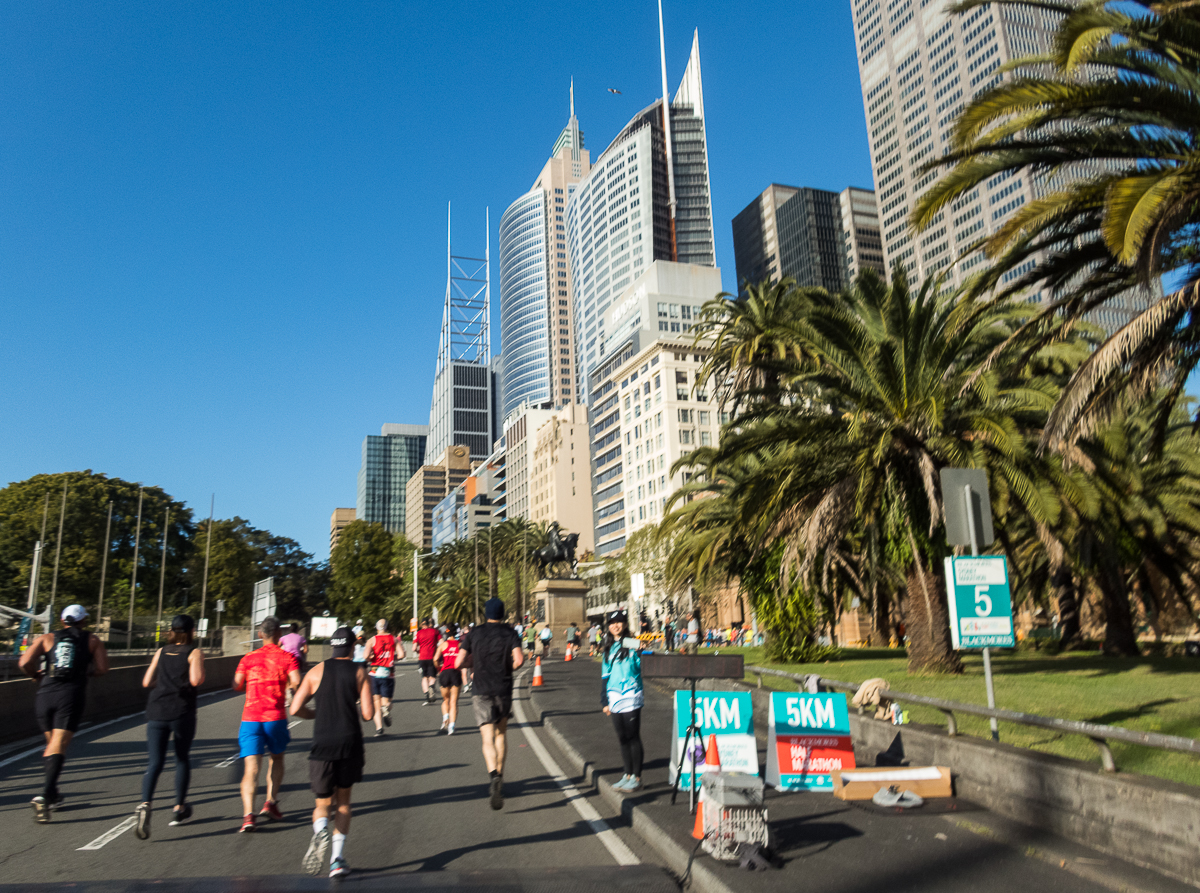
{"type": "Point", "coordinates": [572, 639]}
{"type": "Point", "coordinates": [497, 653]}
{"type": "Point", "coordinates": [360, 644]}
{"type": "Point", "coordinates": [382, 650]}
{"type": "Point", "coordinates": [295, 643]}
{"type": "Point", "coordinates": [337, 757]}
{"type": "Point", "coordinates": [450, 677]}
{"type": "Point", "coordinates": [692, 645]}
{"type": "Point", "coordinates": [61, 662]}
{"type": "Point", "coordinates": [622, 697]}
{"type": "Point", "coordinates": [546, 636]}
{"type": "Point", "coordinates": [425, 642]}
{"type": "Point", "coordinates": [175, 674]}
{"type": "Point", "coordinates": [265, 675]}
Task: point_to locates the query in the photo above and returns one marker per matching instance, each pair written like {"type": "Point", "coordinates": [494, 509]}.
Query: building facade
{"type": "Point", "coordinates": [791, 231]}
{"type": "Point", "coordinates": [428, 486]}
{"type": "Point", "coordinates": [861, 238]}
{"type": "Point", "coordinates": [519, 430]}
{"type": "Point", "coordinates": [653, 319]}
{"type": "Point", "coordinates": [633, 209]}
{"type": "Point", "coordinates": [388, 461]}
{"type": "Point", "coordinates": [559, 489]}
{"type": "Point", "coordinates": [339, 521]}
{"type": "Point", "coordinates": [536, 323]}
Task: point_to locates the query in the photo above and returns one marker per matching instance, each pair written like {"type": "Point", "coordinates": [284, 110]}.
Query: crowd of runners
{"type": "Point", "coordinates": [355, 685]}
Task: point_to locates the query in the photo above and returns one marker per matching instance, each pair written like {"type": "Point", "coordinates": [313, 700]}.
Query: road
{"type": "Point", "coordinates": [422, 807]}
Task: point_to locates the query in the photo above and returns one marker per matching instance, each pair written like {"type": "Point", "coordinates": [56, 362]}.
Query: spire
{"type": "Point", "coordinates": [572, 97]}
{"type": "Point", "coordinates": [666, 113]}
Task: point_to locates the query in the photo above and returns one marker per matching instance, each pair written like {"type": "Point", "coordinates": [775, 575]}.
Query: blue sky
{"type": "Point", "coordinates": [222, 225]}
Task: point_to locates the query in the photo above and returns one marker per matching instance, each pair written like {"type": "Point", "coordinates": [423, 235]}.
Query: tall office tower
{"type": "Point", "coordinates": [647, 198]}
{"type": "Point", "coordinates": [919, 67]}
{"type": "Point", "coordinates": [388, 461]}
{"type": "Point", "coordinates": [462, 409]}
{"type": "Point", "coordinates": [790, 231]}
{"type": "Point", "coordinates": [339, 521]}
{"type": "Point", "coordinates": [860, 232]}
{"type": "Point", "coordinates": [536, 332]}
{"type": "Point", "coordinates": [560, 487]}
{"type": "Point", "coordinates": [428, 486]}
{"type": "Point", "coordinates": [519, 430]}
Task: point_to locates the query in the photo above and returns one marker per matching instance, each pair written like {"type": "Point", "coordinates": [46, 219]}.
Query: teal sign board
{"type": "Point", "coordinates": [980, 602]}
{"type": "Point", "coordinates": [808, 740]}
{"type": "Point", "coordinates": [729, 715]}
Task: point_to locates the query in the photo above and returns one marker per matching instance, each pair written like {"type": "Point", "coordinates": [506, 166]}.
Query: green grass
{"type": "Point", "coordinates": [1153, 694]}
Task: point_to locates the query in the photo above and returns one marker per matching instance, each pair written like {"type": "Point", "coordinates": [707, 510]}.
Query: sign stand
{"type": "Point", "coordinates": [987, 652]}
{"type": "Point", "coordinates": [693, 730]}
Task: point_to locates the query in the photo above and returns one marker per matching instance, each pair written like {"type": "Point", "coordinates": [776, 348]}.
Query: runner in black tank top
{"type": "Point", "coordinates": [173, 678]}
{"type": "Point", "coordinates": [335, 762]}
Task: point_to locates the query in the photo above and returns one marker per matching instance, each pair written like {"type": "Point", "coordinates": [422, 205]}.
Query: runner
{"type": "Point", "coordinates": [296, 645]}
{"type": "Point", "coordinates": [450, 678]}
{"type": "Point", "coordinates": [497, 653]}
{"type": "Point", "coordinates": [174, 674]}
{"type": "Point", "coordinates": [265, 675]}
{"type": "Point", "coordinates": [425, 642]}
{"type": "Point", "coordinates": [572, 640]}
{"type": "Point", "coordinates": [382, 650]}
{"type": "Point", "coordinates": [360, 645]}
{"type": "Point", "coordinates": [71, 655]}
{"type": "Point", "coordinates": [547, 637]}
{"type": "Point", "coordinates": [335, 762]}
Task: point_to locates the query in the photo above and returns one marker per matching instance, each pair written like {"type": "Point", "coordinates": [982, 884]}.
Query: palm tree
{"type": "Point", "coordinates": [1106, 124]}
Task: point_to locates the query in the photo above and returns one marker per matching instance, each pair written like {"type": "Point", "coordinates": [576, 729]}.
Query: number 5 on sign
{"type": "Point", "coordinates": [980, 602]}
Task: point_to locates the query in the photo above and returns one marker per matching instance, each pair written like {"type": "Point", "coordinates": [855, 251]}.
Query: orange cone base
{"type": "Point", "coordinates": [537, 673]}
{"type": "Point", "coordinates": [698, 829]}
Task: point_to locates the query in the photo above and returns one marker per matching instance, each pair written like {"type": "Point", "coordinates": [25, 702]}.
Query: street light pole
{"type": "Point", "coordinates": [162, 574]}
{"type": "Point", "coordinates": [62, 514]}
{"type": "Point", "coordinates": [104, 560]}
{"type": "Point", "coordinates": [137, 539]}
{"type": "Point", "coordinates": [207, 552]}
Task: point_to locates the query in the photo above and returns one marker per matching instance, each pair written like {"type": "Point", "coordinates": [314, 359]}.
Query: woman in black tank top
{"type": "Point", "coordinates": [173, 677]}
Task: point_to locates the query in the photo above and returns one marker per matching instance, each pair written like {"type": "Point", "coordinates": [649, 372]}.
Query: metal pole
{"type": "Point", "coordinates": [416, 554]}
{"type": "Point", "coordinates": [476, 576]}
{"type": "Point", "coordinates": [137, 537]}
{"type": "Point", "coordinates": [34, 570]}
{"type": "Point", "coordinates": [42, 545]}
{"type": "Point", "coordinates": [207, 552]}
{"type": "Point", "coordinates": [162, 574]}
{"type": "Point", "coordinates": [987, 652]}
{"type": "Point", "coordinates": [62, 514]}
{"type": "Point", "coordinates": [104, 560]}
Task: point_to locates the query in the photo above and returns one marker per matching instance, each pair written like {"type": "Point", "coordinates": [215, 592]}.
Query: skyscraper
{"type": "Point", "coordinates": [860, 232]}
{"type": "Point", "coordinates": [791, 231]}
{"type": "Point", "coordinates": [463, 407]}
{"type": "Point", "coordinates": [536, 331]}
{"type": "Point", "coordinates": [646, 198]}
{"type": "Point", "coordinates": [388, 461]}
{"type": "Point", "coordinates": [919, 67]}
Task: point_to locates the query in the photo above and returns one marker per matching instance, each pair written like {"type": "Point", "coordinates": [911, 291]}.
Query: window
{"type": "Point", "coordinates": [680, 376]}
{"type": "Point", "coordinates": [657, 381]}
{"type": "Point", "coordinates": [704, 414]}
{"type": "Point", "coordinates": [685, 435]}
{"type": "Point", "coordinates": [705, 439]}
{"type": "Point", "coordinates": [681, 394]}
{"type": "Point", "coordinates": [685, 415]}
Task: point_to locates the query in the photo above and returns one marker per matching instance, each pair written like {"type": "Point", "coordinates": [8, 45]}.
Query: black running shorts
{"type": "Point", "coordinates": [60, 707]}
{"type": "Point", "coordinates": [428, 668]}
{"type": "Point", "coordinates": [325, 775]}
{"type": "Point", "coordinates": [450, 678]}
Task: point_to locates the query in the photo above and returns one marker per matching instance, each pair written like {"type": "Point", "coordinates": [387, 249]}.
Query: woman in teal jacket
{"type": "Point", "coordinates": [622, 697]}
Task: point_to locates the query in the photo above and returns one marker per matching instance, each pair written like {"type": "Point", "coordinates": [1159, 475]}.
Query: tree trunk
{"type": "Point", "coordinates": [930, 649]}
{"type": "Point", "coordinates": [1067, 598]}
{"type": "Point", "coordinates": [1120, 639]}
{"type": "Point", "coordinates": [881, 628]}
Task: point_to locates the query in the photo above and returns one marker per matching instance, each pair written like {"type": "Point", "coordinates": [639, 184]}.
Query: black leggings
{"type": "Point", "coordinates": [183, 730]}
{"type": "Point", "coordinates": [629, 733]}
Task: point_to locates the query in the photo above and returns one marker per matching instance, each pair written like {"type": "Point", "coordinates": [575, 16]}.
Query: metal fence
{"type": "Point", "coordinates": [1100, 735]}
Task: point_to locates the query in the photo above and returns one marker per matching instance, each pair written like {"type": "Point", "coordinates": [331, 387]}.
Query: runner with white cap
{"type": "Point", "coordinates": [62, 662]}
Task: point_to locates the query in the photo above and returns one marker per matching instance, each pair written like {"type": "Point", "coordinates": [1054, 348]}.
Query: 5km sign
{"type": "Point", "coordinates": [980, 602]}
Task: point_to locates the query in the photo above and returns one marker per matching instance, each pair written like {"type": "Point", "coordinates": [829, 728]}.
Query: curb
{"type": "Point", "coordinates": [676, 857]}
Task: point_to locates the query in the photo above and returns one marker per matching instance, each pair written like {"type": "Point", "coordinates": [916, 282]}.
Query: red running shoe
{"type": "Point", "coordinates": [247, 823]}
{"type": "Point", "coordinates": [271, 811]}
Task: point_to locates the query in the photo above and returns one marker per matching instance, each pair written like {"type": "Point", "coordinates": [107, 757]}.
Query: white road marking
{"type": "Point", "coordinates": [615, 846]}
{"type": "Point", "coordinates": [111, 835]}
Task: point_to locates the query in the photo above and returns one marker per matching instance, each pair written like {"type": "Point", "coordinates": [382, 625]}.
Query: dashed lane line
{"type": "Point", "coordinates": [615, 846]}
{"type": "Point", "coordinates": [111, 835]}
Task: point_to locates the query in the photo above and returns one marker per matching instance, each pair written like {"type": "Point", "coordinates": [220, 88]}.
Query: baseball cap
{"type": "Point", "coordinates": [183, 623]}
{"type": "Point", "coordinates": [342, 641]}
{"type": "Point", "coordinates": [493, 609]}
{"type": "Point", "coordinates": [74, 614]}
{"type": "Point", "coordinates": [618, 617]}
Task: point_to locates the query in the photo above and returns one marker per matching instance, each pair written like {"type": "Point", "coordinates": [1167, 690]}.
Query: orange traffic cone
{"type": "Point", "coordinates": [698, 829]}
{"type": "Point", "coordinates": [712, 757]}
{"type": "Point", "coordinates": [570, 655]}
{"type": "Point", "coordinates": [537, 672]}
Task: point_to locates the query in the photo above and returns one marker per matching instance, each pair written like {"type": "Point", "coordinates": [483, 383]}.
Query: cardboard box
{"type": "Point", "coordinates": [861, 784]}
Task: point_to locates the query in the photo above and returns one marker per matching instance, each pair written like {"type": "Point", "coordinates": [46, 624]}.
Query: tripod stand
{"type": "Point", "coordinates": [693, 730]}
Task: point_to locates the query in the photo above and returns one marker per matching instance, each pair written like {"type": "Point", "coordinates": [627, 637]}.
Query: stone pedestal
{"type": "Point", "coordinates": [558, 604]}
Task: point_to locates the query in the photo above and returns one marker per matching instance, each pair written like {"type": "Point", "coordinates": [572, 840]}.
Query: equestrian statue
{"type": "Point", "coordinates": [560, 550]}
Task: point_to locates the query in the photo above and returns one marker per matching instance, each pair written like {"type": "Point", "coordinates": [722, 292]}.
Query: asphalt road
{"type": "Point", "coordinates": [422, 807]}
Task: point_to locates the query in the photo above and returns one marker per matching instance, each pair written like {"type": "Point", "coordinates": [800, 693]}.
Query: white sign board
{"type": "Point", "coordinates": [202, 629]}
{"type": "Point", "coordinates": [264, 601]}
{"type": "Point", "coordinates": [323, 627]}
{"type": "Point", "coordinates": [637, 585]}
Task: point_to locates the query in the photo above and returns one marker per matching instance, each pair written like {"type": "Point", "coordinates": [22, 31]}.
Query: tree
{"type": "Point", "coordinates": [1107, 124]}
{"type": "Point", "coordinates": [363, 583]}
{"type": "Point", "coordinates": [232, 568]}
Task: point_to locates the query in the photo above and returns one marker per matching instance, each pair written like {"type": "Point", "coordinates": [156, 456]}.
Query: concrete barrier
{"type": "Point", "coordinates": [117, 693]}
{"type": "Point", "coordinates": [1143, 820]}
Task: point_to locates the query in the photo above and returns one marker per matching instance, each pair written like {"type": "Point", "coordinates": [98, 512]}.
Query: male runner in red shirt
{"type": "Point", "coordinates": [265, 675]}
{"type": "Point", "coordinates": [426, 641]}
{"type": "Point", "coordinates": [381, 653]}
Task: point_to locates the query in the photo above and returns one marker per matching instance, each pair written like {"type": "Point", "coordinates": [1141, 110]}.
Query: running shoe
{"type": "Point", "coordinates": [497, 792]}
{"type": "Point", "coordinates": [339, 868]}
{"type": "Point", "coordinates": [181, 815]}
{"type": "Point", "coordinates": [379, 733]}
{"type": "Point", "coordinates": [620, 785]}
{"type": "Point", "coordinates": [271, 811]}
{"type": "Point", "coordinates": [387, 716]}
{"type": "Point", "coordinates": [318, 849]}
{"type": "Point", "coordinates": [142, 829]}
{"type": "Point", "coordinates": [634, 784]}
{"type": "Point", "coordinates": [247, 823]}
{"type": "Point", "coordinates": [445, 721]}
{"type": "Point", "coordinates": [41, 810]}
{"type": "Point", "coordinates": [450, 729]}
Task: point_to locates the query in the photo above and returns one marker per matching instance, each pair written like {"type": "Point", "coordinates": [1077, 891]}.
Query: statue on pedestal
{"type": "Point", "coordinates": [561, 550]}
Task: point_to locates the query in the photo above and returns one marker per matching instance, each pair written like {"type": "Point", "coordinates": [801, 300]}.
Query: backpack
{"type": "Point", "coordinates": [69, 658]}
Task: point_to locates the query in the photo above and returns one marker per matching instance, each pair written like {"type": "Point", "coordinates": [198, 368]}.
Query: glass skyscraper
{"type": "Point", "coordinates": [388, 461]}
{"type": "Point", "coordinates": [793, 232]}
